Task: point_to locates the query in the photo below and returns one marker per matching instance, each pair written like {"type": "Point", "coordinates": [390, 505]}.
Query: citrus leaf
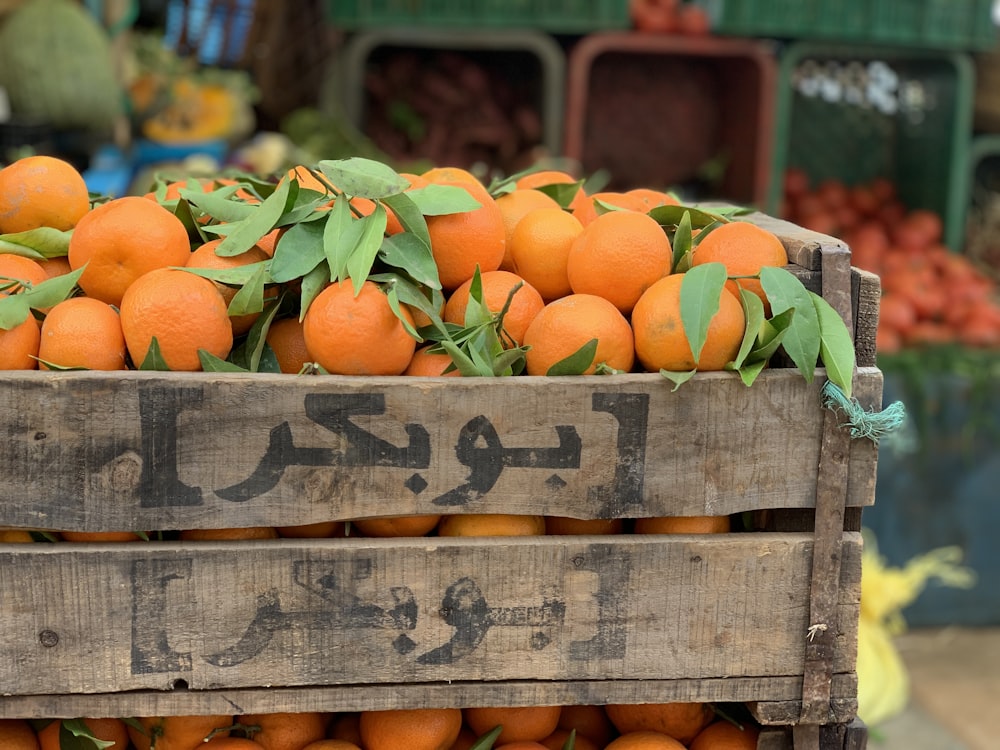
{"type": "Point", "coordinates": [14, 310]}
{"type": "Point", "coordinates": [237, 276]}
{"type": "Point", "coordinates": [576, 363]}
{"type": "Point", "coordinates": [260, 222]}
{"type": "Point", "coordinates": [439, 200]}
{"type": "Point", "coordinates": [570, 743]}
{"type": "Point", "coordinates": [748, 373]}
{"type": "Point", "coordinates": [678, 378]}
{"type": "Point", "coordinates": [671, 215]}
{"type": "Point", "coordinates": [251, 353]}
{"type": "Point", "coordinates": [771, 335]}
{"type": "Point", "coordinates": [370, 234]}
{"type": "Point", "coordinates": [802, 339]}
{"type": "Point", "coordinates": [393, 297]}
{"type": "Point", "coordinates": [701, 290]}
{"type": "Point", "coordinates": [409, 215]}
{"type": "Point", "coordinates": [562, 193]}
{"type": "Point", "coordinates": [753, 311]}
{"type": "Point", "coordinates": [42, 242]}
{"type": "Point", "coordinates": [250, 298]}
{"type": "Point", "coordinates": [312, 284]}
{"type": "Point", "coordinates": [220, 204]}
{"type": "Point", "coordinates": [681, 242]}
{"type": "Point", "coordinates": [476, 311]}
{"type": "Point", "coordinates": [211, 363]}
{"type": "Point", "coordinates": [52, 291]}
{"type": "Point", "coordinates": [299, 252]}
{"type": "Point", "coordinates": [75, 735]}
{"type": "Point", "coordinates": [154, 358]}
{"type": "Point", "coordinates": [486, 741]}
{"type": "Point", "coordinates": [338, 244]}
{"type": "Point", "coordinates": [415, 296]}
{"type": "Point", "coordinates": [463, 362]}
{"type": "Point", "coordinates": [364, 178]}
{"type": "Point", "coordinates": [410, 254]}
{"type": "Point", "coordinates": [836, 346]}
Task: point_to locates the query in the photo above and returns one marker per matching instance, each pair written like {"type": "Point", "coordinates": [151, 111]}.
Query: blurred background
{"type": "Point", "coordinates": [875, 122]}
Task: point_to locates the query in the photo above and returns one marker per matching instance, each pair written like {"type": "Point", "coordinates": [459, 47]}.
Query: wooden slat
{"type": "Point", "coordinates": [89, 618]}
{"type": "Point", "coordinates": [155, 451]}
{"type": "Point", "coordinates": [867, 291]}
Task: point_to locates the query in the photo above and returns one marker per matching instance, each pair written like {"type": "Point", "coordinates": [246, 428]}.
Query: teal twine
{"type": "Point", "coordinates": [869, 424]}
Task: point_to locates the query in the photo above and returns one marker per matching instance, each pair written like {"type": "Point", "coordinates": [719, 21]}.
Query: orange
{"type": "Point", "coordinates": [347, 726]}
{"type": "Point", "coordinates": [561, 525]}
{"type": "Point", "coordinates": [520, 723]}
{"type": "Point", "coordinates": [122, 240]}
{"type": "Point", "coordinates": [227, 743]}
{"type": "Point", "coordinates": [438, 175]}
{"type": "Point", "coordinates": [557, 740]}
{"type": "Point", "coordinates": [539, 250]}
{"type": "Point", "coordinates": [41, 191]}
{"type": "Point", "coordinates": [55, 266]}
{"type": "Point", "coordinates": [17, 734]}
{"type": "Point", "coordinates": [618, 256]}
{"type": "Point", "coordinates": [589, 721]}
{"type": "Point", "coordinates": [318, 530]}
{"type": "Point", "coordinates": [650, 199]}
{"type": "Point", "coordinates": [410, 729]}
{"type": "Point", "coordinates": [331, 745]}
{"type": "Point", "coordinates": [205, 256]}
{"type": "Point", "coordinates": [743, 248]}
{"type": "Point", "coordinates": [269, 241]}
{"type": "Point", "coordinates": [19, 345]}
{"type": "Point", "coordinates": [645, 740]}
{"type": "Point", "coordinates": [306, 179]}
{"type": "Point", "coordinates": [82, 332]}
{"type": "Point", "coordinates": [491, 524]}
{"type": "Point", "coordinates": [109, 730]}
{"type": "Point", "coordinates": [430, 364]}
{"type": "Point", "coordinates": [288, 342]}
{"type": "Point", "coordinates": [357, 335]}
{"type": "Point", "coordinates": [565, 325]}
{"type": "Point", "coordinates": [15, 536]}
{"type": "Point", "coordinates": [286, 730]}
{"type": "Point", "coordinates": [100, 536]}
{"type": "Point", "coordinates": [176, 732]}
{"type": "Point", "coordinates": [497, 287]}
{"type": "Point", "coordinates": [586, 211]}
{"type": "Point", "coordinates": [660, 340]}
{"type": "Point", "coordinates": [524, 745]}
{"type": "Point", "coordinates": [462, 241]}
{"type": "Point", "coordinates": [182, 311]}
{"type": "Point", "coordinates": [18, 273]}
{"type": "Point", "coordinates": [513, 207]}
{"type": "Point", "coordinates": [682, 721]}
{"type": "Point", "coordinates": [682, 525]}
{"type": "Point", "coordinates": [229, 535]}
{"type": "Point", "coordinates": [391, 526]}
{"type": "Point", "coordinates": [724, 735]}
{"type": "Point", "coordinates": [544, 177]}
{"type": "Point", "coordinates": [466, 739]}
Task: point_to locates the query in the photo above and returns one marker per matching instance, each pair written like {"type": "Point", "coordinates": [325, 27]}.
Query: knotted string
{"type": "Point", "coordinates": [868, 424]}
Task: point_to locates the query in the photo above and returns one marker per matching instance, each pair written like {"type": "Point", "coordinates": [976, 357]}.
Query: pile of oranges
{"type": "Point", "coordinates": [930, 294]}
{"type": "Point", "coordinates": [653, 726]}
{"type": "Point", "coordinates": [146, 282]}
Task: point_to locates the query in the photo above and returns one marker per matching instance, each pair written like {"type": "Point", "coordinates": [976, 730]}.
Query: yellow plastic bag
{"type": "Point", "coordinates": [883, 683]}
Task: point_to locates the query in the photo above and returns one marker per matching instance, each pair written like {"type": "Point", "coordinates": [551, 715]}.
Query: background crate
{"type": "Point", "coordinates": [523, 71]}
{"type": "Point", "coordinates": [856, 113]}
{"type": "Point", "coordinates": [666, 111]}
{"type": "Point", "coordinates": [923, 24]}
{"type": "Point", "coordinates": [556, 16]}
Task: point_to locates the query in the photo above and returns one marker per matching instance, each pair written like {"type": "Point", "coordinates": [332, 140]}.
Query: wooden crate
{"type": "Point", "coordinates": [175, 627]}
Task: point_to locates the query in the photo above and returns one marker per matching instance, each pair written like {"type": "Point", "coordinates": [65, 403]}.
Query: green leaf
{"type": "Point", "coordinates": [364, 178]}
{"type": "Point", "coordinates": [771, 335]}
{"type": "Point", "coordinates": [312, 284]}
{"type": "Point", "coordinates": [154, 358]}
{"type": "Point", "coordinates": [570, 743]}
{"type": "Point", "coordinates": [236, 276]}
{"type": "Point", "coordinates": [463, 362]}
{"type": "Point", "coordinates": [562, 193]}
{"type": "Point", "coordinates": [428, 301]}
{"type": "Point", "coordinates": [701, 290]}
{"type": "Point", "coordinates": [195, 229]}
{"type": "Point", "coordinates": [392, 295]}
{"type": "Point", "coordinates": [14, 310]}
{"type": "Point", "coordinates": [211, 363]}
{"type": "Point", "coordinates": [678, 378]}
{"type": "Point", "coordinates": [748, 372]}
{"type": "Point", "coordinates": [802, 340]}
{"type": "Point", "coordinates": [338, 243]}
{"type": "Point", "coordinates": [260, 222]}
{"type": "Point", "coordinates": [681, 242]}
{"type": "Point", "coordinates": [671, 215]}
{"type": "Point", "coordinates": [75, 735]}
{"type": "Point", "coordinates": [250, 298]}
{"type": "Point", "coordinates": [37, 244]}
{"type": "Point", "coordinates": [510, 361]}
{"type": "Point", "coordinates": [52, 291]}
{"type": "Point", "coordinates": [299, 252]}
{"type": "Point", "coordinates": [576, 363]}
{"type": "Point", "coordinates": [836, 346]}
{"type": "Point", "coordinates": [372, 233]}
{"type": "Point", "coordinates": [409, 215]}
{"type": "Point", "coordinates": [410, 254]}
{"type": "Point", "coordinates": [251, 353]}
{"type": "Point", "coordinates": [439, 200]}
{"type": "Point", "coordinates": [476, 311]}
{"type": "Point", "coordinates": [220, 204]}
{"type": "Point", "coordinates": [753, 311]}
{"type": "Point", "coordinates": [486, 741]}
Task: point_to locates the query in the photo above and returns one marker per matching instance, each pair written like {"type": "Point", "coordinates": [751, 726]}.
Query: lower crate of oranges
{"type": "Point", "coordinates": [374, 558]}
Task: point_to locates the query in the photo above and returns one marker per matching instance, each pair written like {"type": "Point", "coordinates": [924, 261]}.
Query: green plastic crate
{"type": "Point", "coordinates": [556, 16]}
{"type": "Point", "coordinates": [854, 113]}
{"type": "Point", "coordinates": [927, 24]}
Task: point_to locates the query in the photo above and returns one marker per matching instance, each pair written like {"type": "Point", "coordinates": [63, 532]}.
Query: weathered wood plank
{"type": "Point", "coordinates": [867, 291]}
{"type": "Point", "coordinates": [154, 451]}
{"type": "Point", "coordinates": [114, 618]}
{"type": "Point", "coordinates": [183, 702]}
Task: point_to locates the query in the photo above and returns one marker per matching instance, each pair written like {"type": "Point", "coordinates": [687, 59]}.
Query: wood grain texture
{"type": "Point", "coordinates": [113, 618]}
{"type": "Point", "coordinates": [162, 451]}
